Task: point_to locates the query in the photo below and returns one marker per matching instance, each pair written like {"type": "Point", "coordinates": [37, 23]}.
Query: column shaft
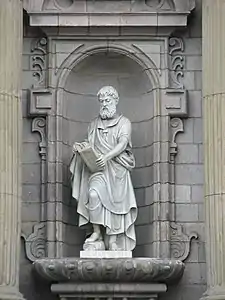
{"type": "Point", "coordinates": [10, 146]}
{"type": "Point", "coordinates": [214, 144]}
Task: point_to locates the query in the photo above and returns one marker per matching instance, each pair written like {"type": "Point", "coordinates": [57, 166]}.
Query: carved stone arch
{"type": "Point", "coordinates": [143, 62]}
{"type": "Point", "coordinates": [140, 58]}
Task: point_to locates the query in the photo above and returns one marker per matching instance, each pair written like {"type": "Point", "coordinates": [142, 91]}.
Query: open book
{"type": "Point", "coordinates": [88, 155]}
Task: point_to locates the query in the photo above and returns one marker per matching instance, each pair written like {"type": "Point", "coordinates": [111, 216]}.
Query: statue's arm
{"type": "Point", "coordinates": [123, 140]}
{"type": "Point", "coordinates": [120, 147]}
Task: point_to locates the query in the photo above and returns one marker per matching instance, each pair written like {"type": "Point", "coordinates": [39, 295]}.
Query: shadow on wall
{"type": "Point", "coordinates": [79, 106]}
{"type": "Point", "coordinates": [32, 287]}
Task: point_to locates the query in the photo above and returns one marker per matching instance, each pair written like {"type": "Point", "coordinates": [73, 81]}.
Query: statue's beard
{"type": "Point", "coordinates": [107, 112]}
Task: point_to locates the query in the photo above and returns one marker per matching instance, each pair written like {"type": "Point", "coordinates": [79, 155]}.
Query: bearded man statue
{"type": "Point", "coordinates": [106, 197]}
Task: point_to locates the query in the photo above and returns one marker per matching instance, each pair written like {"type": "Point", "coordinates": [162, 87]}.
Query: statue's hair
{"type": "Point", "coordinates": [108, 91]}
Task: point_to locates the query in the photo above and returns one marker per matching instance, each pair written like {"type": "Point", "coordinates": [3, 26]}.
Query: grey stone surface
{"type": "Point", "coordinates": [188, 174]}
{"type": "Point", "coordinates": [105, 254]}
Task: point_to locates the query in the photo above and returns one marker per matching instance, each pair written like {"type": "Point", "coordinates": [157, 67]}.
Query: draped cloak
{"type": "Point", "coordinates": [116, 208]}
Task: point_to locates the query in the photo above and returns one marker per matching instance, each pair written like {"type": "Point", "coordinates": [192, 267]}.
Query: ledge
{"type": "Point", "coordinates": [139, 270]}
{"type": "Point", "coordinates": [146, 19]}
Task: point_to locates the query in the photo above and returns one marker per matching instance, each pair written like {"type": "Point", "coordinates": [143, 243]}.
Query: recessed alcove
{"type": "Point", "coordinates": [79, 106]}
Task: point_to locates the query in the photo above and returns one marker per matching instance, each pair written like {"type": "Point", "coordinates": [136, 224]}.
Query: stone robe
{"type": "Point", "coordinates": [116, 207]}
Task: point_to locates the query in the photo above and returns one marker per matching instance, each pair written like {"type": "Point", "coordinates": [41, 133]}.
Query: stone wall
{"type": "Point", "coordinates": [189, 172]}
{"type": "Point", "coordinates": [189, 167]}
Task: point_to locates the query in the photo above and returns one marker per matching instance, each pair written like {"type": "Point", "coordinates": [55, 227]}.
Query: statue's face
{"type": "Point", "coordinates": [107, 106]}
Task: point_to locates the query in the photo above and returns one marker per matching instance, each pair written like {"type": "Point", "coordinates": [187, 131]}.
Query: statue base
{"type": "Point", "coordinates": [94, 246]}
{"type": "Point", "coordinates": [105, 254]}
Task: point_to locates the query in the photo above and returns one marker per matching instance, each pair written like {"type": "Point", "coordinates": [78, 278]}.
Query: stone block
{"type": "Point", "coordinates": [198, 132]}
{"type": "Point", "coordinates": [143, 251]}
{"type": "Point", "coordinates": [187, 154]}
{"type": "Point", "coordinates": [31, 173]}
{"type": "Point", "coordinates": [200, 154]}
{"type": "Point", "coordinates": [24, 99]}
{"type": "Point", "coordinates": [197, 193]}
{"type": "Point", "coordinates": [140, 196]}
{"type": "Point", "coordinates": [193, 62]}
{"type": "Point", "coordinates": [183, 193]}
{"type": "Point", "coordinates": [142, 177]}
{"type": "Point", "coordinates": [105, 254]}
{"type": "Point", "coordinates": [27, 79]}
{"type": "Point", "coordinates": [201, 252]}
{"type": "Point", "coordinates": [193, 46]}
{"type": "Point", "coordinates": [187, 213]}
{"type": "Point", "coordinates": [189, 174]}
{"type": "Point", "coordinates": [189, 80]}
{"type": "Point", "coordinates": [149, 195]}
{"type": "Point", "coordinates": [30, 212]}
{"type": "Point", "coordinates": [195, 273]}
{"type": "Point", "coordinates": [144, 234]}
{"type": "Point", "coordinates": [143, 215]}
{"type": "Point", "coordinates": [30, 153]}
{"type": "Point", "coordinates": [198, 80]}
{"type": "Point", "coordinates": [31, 193]}
{"type": "Point", "coordinates": [195, 104]}
{"type": "Point", "coordinates": [201, 213]}
{"type": "Point", "coordinates": [26, 62]}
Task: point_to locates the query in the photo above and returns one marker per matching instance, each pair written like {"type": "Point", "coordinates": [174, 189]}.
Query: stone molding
{"type": "Point", "coordinates": [171, 101]}
{"type": "Point", "coordinates": [147, 270]}
{"type": "Point", "coordinates": [171, 13]}
{"type": "Point", "coordinates": [108, 291]}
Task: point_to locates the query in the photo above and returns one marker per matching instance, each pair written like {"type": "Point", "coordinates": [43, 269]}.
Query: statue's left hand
{"type": "Point", "coordinates": [101, 161]}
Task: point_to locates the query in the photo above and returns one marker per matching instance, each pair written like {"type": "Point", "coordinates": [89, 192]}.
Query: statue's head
{"type": "Point", "coordinates": [108, 98]}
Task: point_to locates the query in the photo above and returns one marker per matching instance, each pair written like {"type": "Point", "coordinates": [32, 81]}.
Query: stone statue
{"type": "Point", "coordinates": [106, 197]}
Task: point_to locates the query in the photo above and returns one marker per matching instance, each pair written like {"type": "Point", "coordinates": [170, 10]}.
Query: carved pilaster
{"type": "Point", "coordinates": [39, 105]}
{"type": "Point", "coordinates": [35, 243]}
{"type": "Point", "coordinates": [10, 147]}
{"type": "Point", "coordinates": [214, 145]}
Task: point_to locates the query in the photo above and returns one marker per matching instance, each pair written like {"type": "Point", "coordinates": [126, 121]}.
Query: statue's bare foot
{"type": "Point", "coordinates": [96, 236]}
{"type": "Point", "coordinates": [113, 246]}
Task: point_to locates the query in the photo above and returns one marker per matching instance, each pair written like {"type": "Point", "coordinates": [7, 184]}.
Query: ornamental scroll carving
{"type": "Point", "coordinates": [176, 49]}
{"type": "Point", "coordinates": [35, 243]}
{"type": "Point", "coordinates": [38, 61]}
{"type": "Point", "coordinates": [180, 242]}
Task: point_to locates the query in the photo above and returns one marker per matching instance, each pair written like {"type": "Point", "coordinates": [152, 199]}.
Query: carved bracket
{"type": "Point", "coordinates": [38, 61]}
{"type": "Point", "coordinates": [35, 243]}
{"type": "Point", "coordinates": [176, 64]}
{"type": "Point", "coordinates": [176, 125]}
{"type": "Point", "coordinates": [180, 242]}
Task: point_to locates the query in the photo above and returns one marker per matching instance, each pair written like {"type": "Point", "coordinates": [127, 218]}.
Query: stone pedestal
{"type": "Point", "coordinates": [214, 144]}
{"type": "Point", "coordinates": [105, 254]}
{"type": "Point", "coordinates": [10, 146]}
{"type": "Point", "coordinates": [109, 278]}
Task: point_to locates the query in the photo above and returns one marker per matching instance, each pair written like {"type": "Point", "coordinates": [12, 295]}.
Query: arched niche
{"type": "Point", "coordinates": [77, 105]}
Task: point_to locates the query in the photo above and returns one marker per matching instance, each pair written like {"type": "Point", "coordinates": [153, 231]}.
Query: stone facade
{"type": "Point", "coordinates": [170, 222]}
